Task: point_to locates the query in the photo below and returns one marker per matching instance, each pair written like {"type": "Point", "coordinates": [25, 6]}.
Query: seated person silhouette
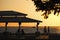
{"type": "Point", "coordinates": [20, 32]}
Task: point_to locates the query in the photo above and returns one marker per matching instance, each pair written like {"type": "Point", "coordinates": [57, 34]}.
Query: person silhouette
{"type": "Point", "coordinates": [45, 29]}
{"type": "Point", "coordinates": [22, 32]}
{"type": "Point", "coordinates": [48, 29]}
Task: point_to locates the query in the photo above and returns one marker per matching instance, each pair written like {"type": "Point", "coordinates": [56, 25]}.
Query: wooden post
{"type": "Point", "coordinates": [37, 25]}
{"type": "Point", "coordinates": [6, 26]}
{"type": "Point", "coordinates": [19, 25]}
{"type": "Point", "coordinates": [37, 32]}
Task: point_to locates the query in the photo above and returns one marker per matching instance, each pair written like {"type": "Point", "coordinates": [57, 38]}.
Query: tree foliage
{"type": "Point", "coordinates": [47, 6]}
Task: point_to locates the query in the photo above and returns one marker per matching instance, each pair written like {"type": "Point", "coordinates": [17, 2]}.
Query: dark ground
{"type": "Point", "coordinates": [29, 36]}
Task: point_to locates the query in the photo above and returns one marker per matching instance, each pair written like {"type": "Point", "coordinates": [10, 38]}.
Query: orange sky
{"type": "Point", "coordinates": [27, 7]}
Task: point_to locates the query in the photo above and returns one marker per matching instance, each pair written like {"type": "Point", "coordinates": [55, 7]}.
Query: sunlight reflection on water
{"type": "Point", "coordinates": [30, 29]}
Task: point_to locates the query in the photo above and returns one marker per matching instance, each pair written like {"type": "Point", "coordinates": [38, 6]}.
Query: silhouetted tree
{"type": "Point", "coordinates": [47, 6]}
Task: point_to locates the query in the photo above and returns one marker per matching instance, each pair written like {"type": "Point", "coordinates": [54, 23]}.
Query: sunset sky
{"type": "Point", "coordinates": [28, 7]}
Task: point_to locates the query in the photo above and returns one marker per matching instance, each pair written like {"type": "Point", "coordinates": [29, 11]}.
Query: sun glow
{"type": "Point", "coordinates": [27, 7]}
